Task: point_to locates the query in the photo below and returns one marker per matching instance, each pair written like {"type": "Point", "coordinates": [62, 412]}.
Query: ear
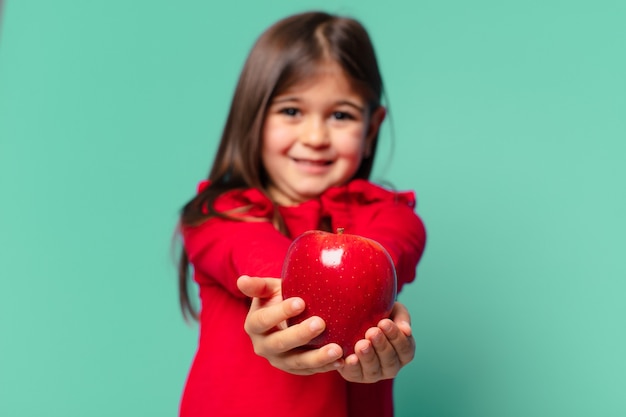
{"type": "Point", "coordinates": [375, 120]}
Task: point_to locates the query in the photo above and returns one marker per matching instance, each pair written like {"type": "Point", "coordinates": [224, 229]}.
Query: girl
{"type": "Point", "coordinates": [295, 155]}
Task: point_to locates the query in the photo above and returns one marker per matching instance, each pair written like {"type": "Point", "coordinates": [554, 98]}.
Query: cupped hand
{"type": "Point", "coordinates": [385, 350]}
{"type": "Point", "coordinates": [266, 324]}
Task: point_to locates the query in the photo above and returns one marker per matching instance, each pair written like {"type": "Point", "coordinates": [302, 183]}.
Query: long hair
{"type": "Point", "coordinates": [288, 52]}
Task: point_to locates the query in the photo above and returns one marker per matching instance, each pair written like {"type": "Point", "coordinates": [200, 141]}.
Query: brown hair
{"type": "Point", "coordinates": [289, 51]}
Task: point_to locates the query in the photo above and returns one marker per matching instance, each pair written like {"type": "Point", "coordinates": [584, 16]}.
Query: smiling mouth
{"type": "Point", "coordinates": [312, 162]}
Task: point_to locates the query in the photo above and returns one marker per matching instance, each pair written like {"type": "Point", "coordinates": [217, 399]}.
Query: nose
{"type": "Point", "coordinates": [315, 133]}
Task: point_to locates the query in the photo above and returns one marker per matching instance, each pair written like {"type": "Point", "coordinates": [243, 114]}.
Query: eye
{"type": "Point", "coordinates": [290, 111]}
{"type": "Point", "coordinates": [341, 115]}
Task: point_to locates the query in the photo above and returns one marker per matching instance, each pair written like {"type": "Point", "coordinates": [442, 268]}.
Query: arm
{"type": "Point", "coordinates": [393, 223]}
{"type": "Point", "coordinates": [399, 229]}
{"type": "Point", "coordinates": [226, 249]}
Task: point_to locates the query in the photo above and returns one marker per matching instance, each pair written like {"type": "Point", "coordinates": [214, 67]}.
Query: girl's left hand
{"type": "Point", "coordinates": [384, 351]}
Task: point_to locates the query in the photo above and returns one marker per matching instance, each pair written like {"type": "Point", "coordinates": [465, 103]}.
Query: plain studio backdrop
{"type": "Point", "coordinates": [508, 119]}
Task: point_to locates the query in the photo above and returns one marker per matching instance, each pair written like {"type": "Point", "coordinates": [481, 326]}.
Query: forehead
{"type": "Point", "coordinates": [328, 73]}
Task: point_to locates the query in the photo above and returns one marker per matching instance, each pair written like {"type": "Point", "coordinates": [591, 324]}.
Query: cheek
{"type": "Point", "coordinates": [352, 144]}
{"type": "Point", "coordinates": [276, 137]}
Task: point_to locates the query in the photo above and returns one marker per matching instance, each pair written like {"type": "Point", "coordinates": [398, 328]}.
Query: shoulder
{"type": "Point", "coordinates": [363, 192]}
{"type": "Point", "coordinates": [240, 203]}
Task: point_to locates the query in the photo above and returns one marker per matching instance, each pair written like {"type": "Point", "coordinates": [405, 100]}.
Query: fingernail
{"type": "Point", "coordinates": [297, 304]}
{"type": "Point", "coordinates": [366, 349]}
{"type": "Point", "coordinates": [351, 360]}
{"type": "Point", "coordinates": [315, 325]}
{"type": "Point", "coordinates": [386, 326]}
{"type": "Point", "coordinates": [407, 326]}
{"type": "Point", "coordinates": [332, 352]}
{"type": "Point", "coordinates": [337, 364]}
{"type": "Point", "coordinates": [378, 336]}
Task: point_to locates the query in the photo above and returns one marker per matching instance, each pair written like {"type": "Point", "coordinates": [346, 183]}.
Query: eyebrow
{"type": "Point", "coordinates": [289, 99]}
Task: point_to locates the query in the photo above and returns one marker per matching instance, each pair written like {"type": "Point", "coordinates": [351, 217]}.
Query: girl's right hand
{"type": "Point", "coordinates": [266, 324]}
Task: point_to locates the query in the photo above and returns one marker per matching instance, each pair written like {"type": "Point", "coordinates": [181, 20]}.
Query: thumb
{"type": "Point", "coordinates": [258, 287]}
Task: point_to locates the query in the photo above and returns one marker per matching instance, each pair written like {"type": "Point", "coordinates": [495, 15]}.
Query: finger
{"type": "Point", "coordinates": [387, 357]}
{"type": "Point", "coordinates": [382, 361]}
{"type": "Point", "coordinates": [405, 328]}
{"type": "Point", "coordinates": [399, 312]}
{"type": "Point", "coordinates": [291, 337]}
{"type": "Point", "coordinates": [403, 345]}
{"type": "Point", "coordinates": [258, 287]}
{"type": "Point", "coordinates": [308, 362]}
{"type": "Point", "coordinates": [400, 315]}
{"type": "Point", "coordinates": [261, 320]}
{"type": "Point", "coordinates": [352, 369]}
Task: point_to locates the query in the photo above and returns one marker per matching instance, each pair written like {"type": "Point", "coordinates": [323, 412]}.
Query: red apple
{"type": "Point", "coordinates": [347, 280]}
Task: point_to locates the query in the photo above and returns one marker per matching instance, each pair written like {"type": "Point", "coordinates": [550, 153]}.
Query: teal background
{"type": "Point", "coordinates": [509, 120]}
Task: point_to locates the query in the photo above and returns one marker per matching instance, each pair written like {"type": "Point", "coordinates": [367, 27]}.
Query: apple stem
{"type": "Point", "coordinates": [340, 230]}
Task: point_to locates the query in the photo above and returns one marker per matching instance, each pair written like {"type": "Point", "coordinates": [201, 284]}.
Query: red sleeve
{"type": "Point", "coordinates": [384, 216]}
{"type": "Point", "coordinates": [400, 231]}
{"type": "Point", "coordinates": [221, 250]}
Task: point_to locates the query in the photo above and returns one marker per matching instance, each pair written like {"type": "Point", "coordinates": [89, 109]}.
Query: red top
{"type": "Point", "coordinates": [227, 378]}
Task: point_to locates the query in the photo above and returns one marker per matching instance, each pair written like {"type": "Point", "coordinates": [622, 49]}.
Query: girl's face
{"type": "Point", "coordinates": [315, 135]}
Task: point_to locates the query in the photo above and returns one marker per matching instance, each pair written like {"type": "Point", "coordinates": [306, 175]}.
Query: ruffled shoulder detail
{"type": "Point", "coordinates": [202, 185]}
{"type": "Point", "coordinates": [363, 192]}
{"type": "Point", "coordinates": [241, 204]}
